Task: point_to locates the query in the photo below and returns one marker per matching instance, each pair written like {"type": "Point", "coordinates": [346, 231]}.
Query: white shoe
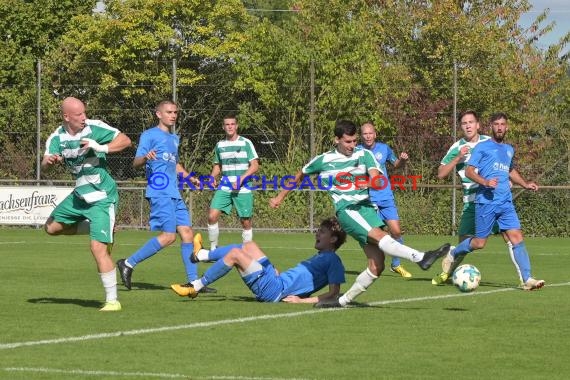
{"type": "Point", "coordinates": [533, 284]}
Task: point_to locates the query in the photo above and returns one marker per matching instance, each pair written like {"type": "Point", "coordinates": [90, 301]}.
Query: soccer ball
{"type": "Point", "coordinates": [466, 277]}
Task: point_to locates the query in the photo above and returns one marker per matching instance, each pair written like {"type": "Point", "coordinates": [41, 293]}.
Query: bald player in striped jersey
{"type": "Point", "coordinates": [82, 145]}
{"type": "Point", "coordinates": [344, 171]}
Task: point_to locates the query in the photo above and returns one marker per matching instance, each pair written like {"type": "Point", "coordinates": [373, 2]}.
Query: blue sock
{"type": "Point", "coordinates": [463, 248]}
{"type": "Point", "coordinates": [522, 260]}
{"type": "Point", "coordinates": [149, 249]}
{"type": "Point", "coordinates": [191, 268]}
{"type": "Point", "coordinates": [220, 252]}
{"type": "Point", "coordinates": [396, 260]}
{"type": "Point", "coordinates": [216, 271]}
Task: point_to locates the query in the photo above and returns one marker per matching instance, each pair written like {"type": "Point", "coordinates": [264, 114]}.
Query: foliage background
{"type": "Point", "coordinates": [289, 75]}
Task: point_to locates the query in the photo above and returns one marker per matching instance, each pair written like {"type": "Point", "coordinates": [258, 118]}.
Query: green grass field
{"type": "Point", "coordinates": [51, 327]}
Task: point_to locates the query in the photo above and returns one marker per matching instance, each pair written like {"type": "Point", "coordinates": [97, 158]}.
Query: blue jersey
{"type": "Point", "coordinates": [493, 160]}
{"type": "Point", "coordinates": [313, 274]}
{"type": "Point", "coordinates": [160, 173]}
{"type": "Point", "coordinates": [383, 153]}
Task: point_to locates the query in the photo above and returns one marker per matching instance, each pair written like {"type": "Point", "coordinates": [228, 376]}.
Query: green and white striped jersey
{"type": "Point", "coordinates": [337, 174]}
{"type": "Point", "coordinates": [469, 187]}
{"type": "Point", "coordinates": [89, 168]}
{"type": "Point", "coordinates": [234, 157]}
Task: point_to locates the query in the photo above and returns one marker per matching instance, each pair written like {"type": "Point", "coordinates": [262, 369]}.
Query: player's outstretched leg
{"type": "Point", "coordinates": [431, 256]}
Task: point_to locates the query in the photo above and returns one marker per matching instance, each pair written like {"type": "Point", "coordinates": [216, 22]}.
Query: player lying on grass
{"type": "Point", "coordinates": [295, 285]}
{"type": "Point", "coordinates": [342, 170]}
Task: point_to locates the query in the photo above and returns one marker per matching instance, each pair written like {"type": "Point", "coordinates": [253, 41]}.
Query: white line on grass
{"type": "Point", "coordinates": [7, 346]}
{"type": "Point", "coordinates": [264, 247]}
{"type": "Point", "coordinates": [144, 375]}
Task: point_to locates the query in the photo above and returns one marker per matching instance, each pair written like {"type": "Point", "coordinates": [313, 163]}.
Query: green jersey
{"type": "Point", "coordinates": [338, 174]}
{"type": "Point", "coordinates": [469, 187]}
{"type": "Point", "coordinates": [234, 158]}
{"type": "Point", "coordinates": [89, 168]}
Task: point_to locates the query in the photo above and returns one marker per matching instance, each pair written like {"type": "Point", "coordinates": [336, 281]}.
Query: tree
{"type": "Point", "coordinates": [30, 30]}
{"type": "Point", "coordinates": [121, 60]}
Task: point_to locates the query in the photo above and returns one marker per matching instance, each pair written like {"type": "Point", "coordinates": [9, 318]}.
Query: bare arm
{"type": "Point", "coordinates": [252, 169]}
{"type": "Point", "coordinates": [401, 161]}
{"type": "Point", "coordinates": [216, 170]}
{"type": "Point", "coordinates": [334, 291]}
{"type": "Point", "coordinates": [475, 177]}
{"type": "Point", "coordinates": [119, 143]}
{"type": "Point", "coordinates": [140, 161]}
{"type": "Point", "coordinates": [276, 201]}
{"type": "Point", "coordinates": [519, 180]}
{"type": "Point", "coordinates": [51, 159]}
{"type": "Point", "coordinates": [445, 169]}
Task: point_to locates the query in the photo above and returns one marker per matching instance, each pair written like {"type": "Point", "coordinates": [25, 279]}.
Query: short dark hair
{"type": "Point", "coordinates": [344, 127]}
{"type": "Point", "coordinates": [165, 102]}
{"type": "Point", "coordinates": [334, 227]}
{"type": "Point", "coordinates": [230, 115]}
{"type": "Point", "coordinates": [498, 115]}
{"type": "Point", "coordinates": [468, 112]}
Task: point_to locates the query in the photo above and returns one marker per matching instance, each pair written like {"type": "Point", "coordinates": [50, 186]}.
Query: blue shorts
{"type": "Point", "coordinates": [387, 210]}
{"type": "Point", "coordinates": [168, 213]}
{"type": "Point", "coordinates": [265, 284]}
{"type": "Point", "coordinates": [487, 214]}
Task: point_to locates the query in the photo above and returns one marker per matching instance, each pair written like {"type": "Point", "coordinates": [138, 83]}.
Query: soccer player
{"type": "Point", "coordinates": [295, 285]}
{"type": "Point", "coordinates": [81, 144]}
{"type": "Point", "coordinates": [383, 198]}
{"type": "Point", "coordinates": [348, 172]}
{"type": "Point", "coordinates": [455, 158]}
{"type": "Point", "coordinates": [158, 152]}
{"type": "Point", "coordinates": [491, 167]}
{"type": "Point", "coordinates": [235, 159]}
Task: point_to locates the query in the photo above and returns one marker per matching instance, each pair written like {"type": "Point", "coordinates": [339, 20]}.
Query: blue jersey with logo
{"type": "Point", "coordinates": [313, 274]}
{"type": "Point", "coordinates": [493, 160]}
{"type": "Point", "coordinates": [160, 173]}
{"type": "Point", "coordinates": [383, 153]}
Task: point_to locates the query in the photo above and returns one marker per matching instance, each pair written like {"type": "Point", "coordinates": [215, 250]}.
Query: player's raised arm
{"type": "Point", "coordinates": [445, 169]}
{"type": "Point", "coordinates": [276, 201]}
{"type": "Point", "coordinates": [401, 161]}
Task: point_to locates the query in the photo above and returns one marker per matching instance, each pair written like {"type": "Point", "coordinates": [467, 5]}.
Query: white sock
{"type": "Point", "coordinates": [203, 255]}
{"type": "Point", "coordinates": [109, 281]}
{"type": "Point", "coordinates": [363, 281]}
{"type": "Point", "coordinates": [213, 235]}
{"type": "Point", "coordinates": [197, 284]}
{"type": "Point", "coordinates": [393, 248]}
{"type": "Point", "coordinates": [512, 255]}
{"type": "Point", "coordinates": [247, 235]}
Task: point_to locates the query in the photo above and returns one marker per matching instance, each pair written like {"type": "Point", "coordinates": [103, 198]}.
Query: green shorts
{"type": "Point", "coordinates": [358, 220]}
{"type": "Point", "coordinates": [224, 200]}
{"type": "Point", "coordinates": [467, 223]}
{"type": "Point", "coordinates": [101, 216]}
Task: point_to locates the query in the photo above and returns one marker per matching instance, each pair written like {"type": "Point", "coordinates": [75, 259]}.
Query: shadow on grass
{"type": "Point", "coordinates": [144, 286]}
{"type": "Point", "coordinates": [67, 301]}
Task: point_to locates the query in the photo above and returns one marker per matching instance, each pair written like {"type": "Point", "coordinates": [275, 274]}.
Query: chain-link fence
{"type": "Point", "coordinates": [284, 139]}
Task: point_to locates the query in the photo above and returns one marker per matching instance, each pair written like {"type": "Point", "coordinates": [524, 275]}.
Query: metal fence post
{"type": "Point", "coordinates": [454, 190]}
{"type": "Point", "coordinates": [38, 118]}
